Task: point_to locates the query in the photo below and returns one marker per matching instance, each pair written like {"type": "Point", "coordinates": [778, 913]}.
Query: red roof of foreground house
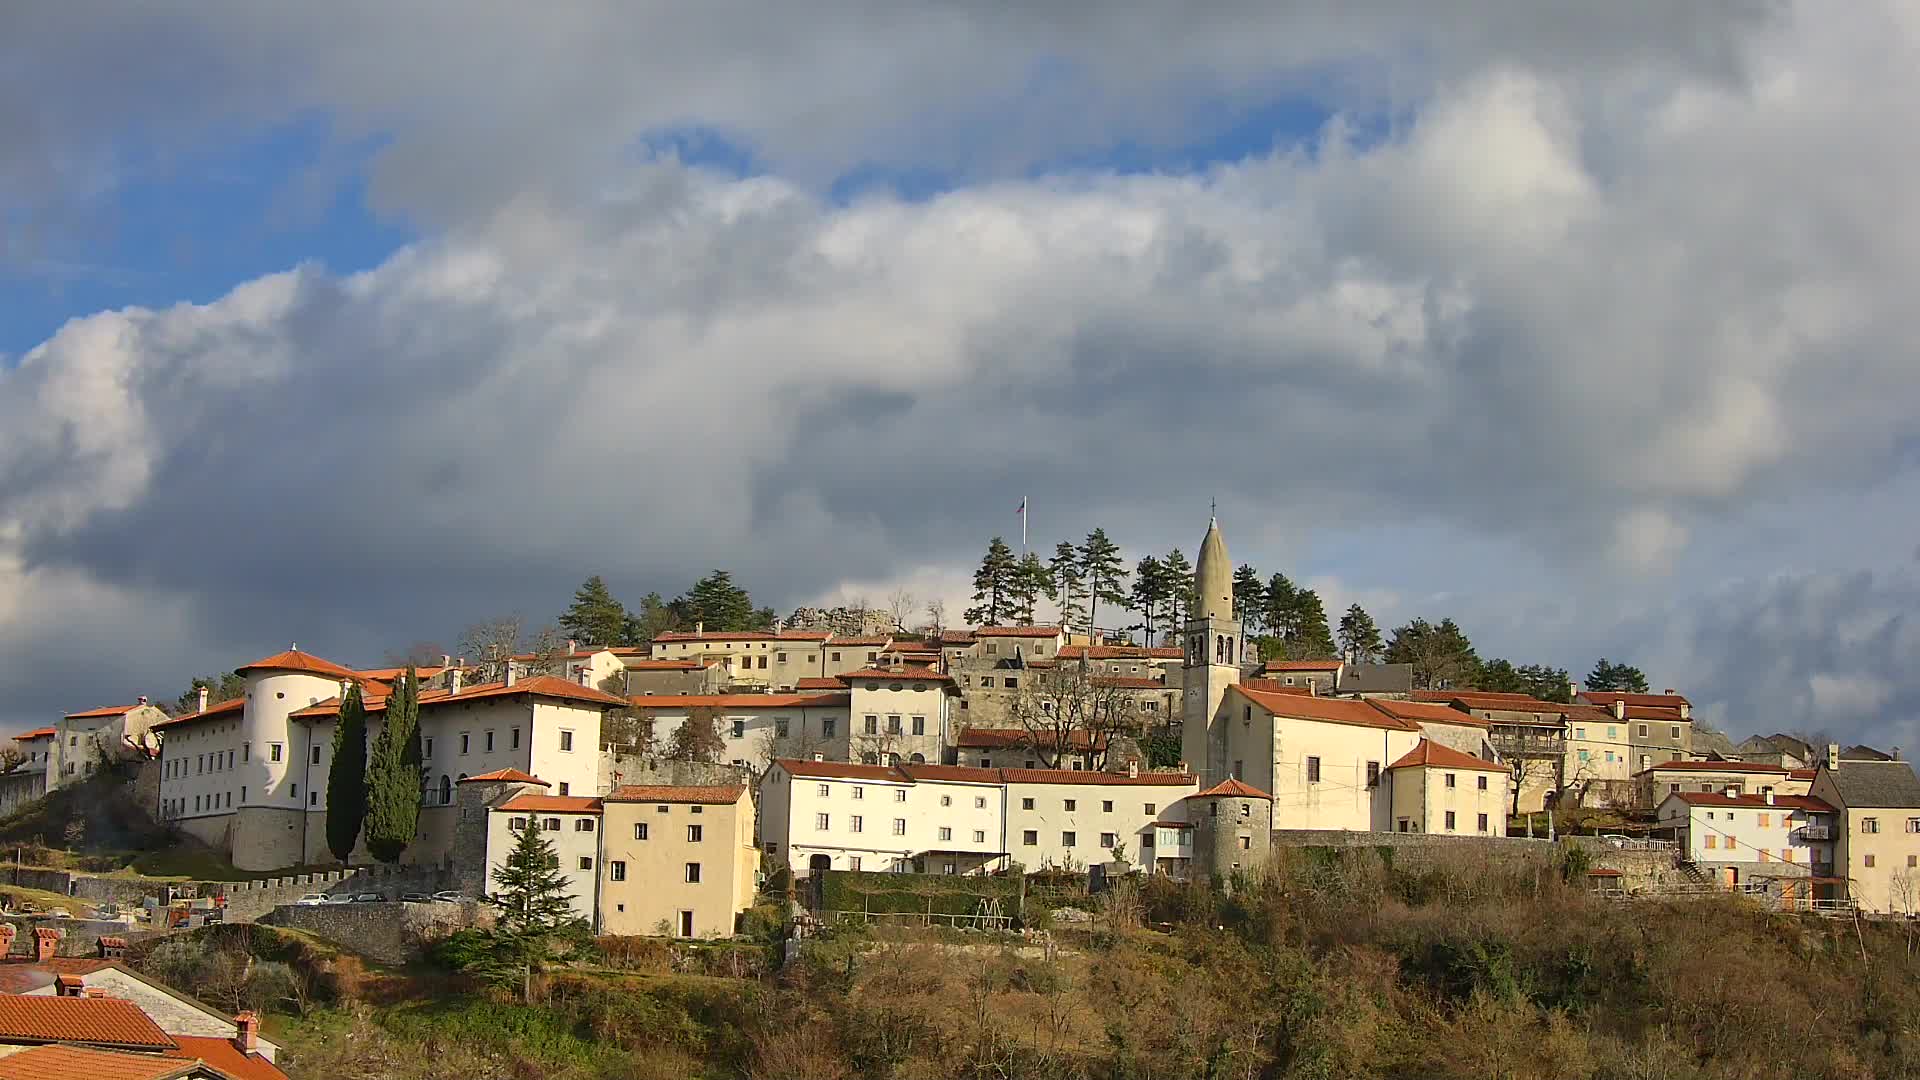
{"type": "Point", "coordinates": [1607, 697]}
{"type": "Point", "coordinates": [295, 660]}
{"type": "Point", "coordinates": [391, 674]}
{"type": "Point", "coordinates": [745, 702]}
{"type": "Point", "coordinates": [224, 1056]}
{"type": "Point", "coordinates": [1275, 686]}
{"type": "Point", "coordinates": [1328, 710]}
{"type": "Point", "coordinates": [36, 733]}
{"type": "Point", "coordinates": [110, 710]}
{"type": "Point", "coordinates": [1427, 711]}
{"type": "Point", "coordinates": [1233, 788]}
{"type": "Point", "coordinates": [911, 645]}
{"type": "Point", "coordinates": [920, 673]}
{"type": "Point", "coordinates": [1430, 754]}
{"type": "Point", "coordinates": [1720, 767]}
{"type": "Point", "coordinates": [1757, 802]}
{"type": "Point", "coordinates": [1017, 631]}
{"type": "Point", "coordinates": [552, 804]}
{"type": "Point", "coordinates": [901, 774]}
{"type": "Point", "coordinates": [707, 795]}
{"type": "Point", "coordinates": [68, 1062]}
{"type": "Point", "coordinates": [505, 775]}
{"type": "Point", "coordinates": [743, 635]}
{"type": "Point", "coordinates": [841, 770]}
{"type": "Point", "coordinates": [952, 773]}
{"type": "Point", "coordinates": [1303, 665]}
{"type": "Point", "coordinates": [95, 1021]}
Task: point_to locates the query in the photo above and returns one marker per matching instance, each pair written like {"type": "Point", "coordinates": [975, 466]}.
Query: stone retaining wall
{"type": "Point", "coordinates": [391, 933]}
{"type": "Point", "coordinates": [249, 900]}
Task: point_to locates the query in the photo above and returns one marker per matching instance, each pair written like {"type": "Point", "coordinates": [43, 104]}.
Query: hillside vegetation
{"type": "Point", "coordinates": [1329, 966]}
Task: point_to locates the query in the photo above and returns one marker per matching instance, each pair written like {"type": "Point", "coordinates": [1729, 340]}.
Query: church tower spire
{"type": "Point", "coordinates": [1214, 644]}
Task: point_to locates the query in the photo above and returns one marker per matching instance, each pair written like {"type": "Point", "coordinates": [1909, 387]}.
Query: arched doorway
{"type": "Point", "coordinates": [919, 759]}
{"type": "Point", "coordinates": [819, 862]}
{"type": "Point", "coordinates": [446, 789]}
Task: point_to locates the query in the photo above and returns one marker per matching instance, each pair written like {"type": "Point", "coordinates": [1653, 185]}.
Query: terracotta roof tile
{"type": "Point", "coordinates": [1720, 766]}
{"type": "Point", "coordinates": [221, 1054]}
{"type": "Point", "coordinates": [707, 795]}
{"type": "Point", "coordinates": [1327, 710]}
{"type": "Point", "coordinates": [390, 674]}
{"type": "Point", "coordinates": [294, 660]}
{"type": "Point", "coordinates": [1077, 776]}
{"type": "Point", "coordinates": [97, 1021]}
{"type": "Point", "coordinates": [1127, 682]}
{"type": "Point", "coordinates": [110, 710]}
{"type": "Point", "coordinates": [1119, 652]}
{"type": "Point", "coordinates": [1275, 686]}
{"type": "Point", "coordinates": [555, 804]}
{"type": "Point", "coordinates": [752, 702]}
{"type": "Point", "coordinates": [997, 738]}
{"type": "Point", "coordinates": [912, 646]}
{"type": "Point", "coordinates": [1756, 802]}
{"type": "Point", "coordinates": [952, 773]}
{"type": "Point", "coordinates": [506, 775]}
{"type": "Point", "coordinates": [840, 770]}
{"type": "Point", "coordinates": [820, 682]}
{"type": "Point", "coordinates": [1017, 631]}
{"type": "Point", "coordinates": [24, 974]}
{"type": "Point", "coordinates": [743, 635]}
{"type": "Point", "coordinates": [858, 640]}
{"type": "Point", "coordinates": [548, 686]}
{"type": "Point", "coordinates": [1493, 702]}
{"type": "Point", "coordinates": [1606, 697]}
{"type": "Point", "coordinates": [226, 708]}
{"type": "Point", "coordinates": [1430, 754]}
{"type": "Point", "coordinates": [36, 733]}
{"type": "Point", "coordinates": [1233, 788]}
{"type": "Point", "coordinates": [69, 1062]}
{"type": "Point", "coordinates": [666, 665]}
{"type": "Point", "coordinates": [1418, 711]}
{"type": "Point", "coordinates": [920, 673]}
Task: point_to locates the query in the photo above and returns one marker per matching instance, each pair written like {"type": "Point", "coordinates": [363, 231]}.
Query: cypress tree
{"type": "Point", "coordinates": [393, 774]}
{"type": "Point", "coordinates": [347, 777]}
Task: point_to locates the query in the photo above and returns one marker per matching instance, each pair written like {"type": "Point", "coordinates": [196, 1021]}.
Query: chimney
{"type": "Point", "coordinates": [445, 660]}
{"type": "Point", "coordinates": [1769, 796]}
{"type": "Point", "coordinates": [68, 986]}
{"type": "Point", "coordinates": [246, 1034]}
{"type": "Point", "coordinates": [1619, 710]}
{"type": "Point", "coordinates": [1133, 768]}
{"type": "Point", "coordinates": [699, 627]}
{"type": "Point", "coordinates": [96, 991]}
{"type": "Point", "coordinates": [142, 699]}
{"type": "Point", "coordinates": [572, 646]}
{"type": "Point", "coordinates": [1669, 691]}
{"type": "Point", "coordinates": [46, 942]}
{"type": "Point", "coordinates": [512, 676]}
{"type": "Point", "coordinates": [1833, 755]}
{"type": "Point", "coordinates": [345, 686]}
{"type": "Point", "coordinates": [6, 938]}
{"type": "Point", "coordinates": [454, 678]}
{"type": "Point", "coordinates": [203, 699]}
{"type": "Point", "coordinates": [586, 676]}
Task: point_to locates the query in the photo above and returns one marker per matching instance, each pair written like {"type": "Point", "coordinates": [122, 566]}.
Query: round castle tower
{"type": "Point", "coordinates": [268, 825]}
{"type": "Point", "coordinates": [1232, 828]}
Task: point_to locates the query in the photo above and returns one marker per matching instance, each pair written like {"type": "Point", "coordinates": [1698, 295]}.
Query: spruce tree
{"type": "Point", "coordinates": [1105, 575]}
{"type": "Point", "coordinates": [537, 922]}
{"type": "Point", "coordinates": [347, 777]}
{"type": "Point", "coordinates": [993, 586]}
{"type": "Point", "coordinates": [595, 617]}
{"type": "Point", "coordinates": [1359, 636]}
{"type": "Point", "coordinates": [1031, 581]}
{"type": "Point", "coordinates": [1179, 588]}
{"type": "Point", "coordinates": [394, 774]}
{"type": "Point", "coordinates": [716, 602]}
{"type": "Point", "coordinates": [1249, 598]}
{"type": "Point", "coordinates": [1065, 581]}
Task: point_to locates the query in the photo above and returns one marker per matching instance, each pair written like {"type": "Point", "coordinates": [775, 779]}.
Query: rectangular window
{"type": "Point", "coordinates": [859, 792]}
{"type": "Point", "coordinates": [946, 800]}
{"type": "Point", "coordinates": [1106, 806]}
{"type": "Point", "coordinates": [1870, 825]}
{"type": "Point", "coordinates": [583, 825]}
{"type": "Point", "coordinates": [274, 751]}
{"type": "Point", "coordinates": [739, 729]}
{"type": "Point", "coordinates": [1313, 770]}
{"type": "Point", "coordinates": [518, 824]}
{"type": "Point", "coordinates": [564, 786]}
{"type": "Point", "coordinates": [1449, 821]}
{"type": "Point", "coordinates": [1373, 774]}
{"type": "Point", "coordinates": [779, 729]}
{"type": "Point", "coordinates": [617, 870]}
{"type": "Point", "coordinates": [1450, 779]}
{"type": "Point", "coordinates": [899, 826]}
{"type": "Point", "coordinates": [1029, 838]}
{"type": "Point", "coordinates": [1026, 804]}
{"type": "Point", "coordinates": [1712, 841]}
{"type": "Point", "coordinates": [919, 725]}
{"type": "Point", "coordinates": [1482, 785]}
{"type": "Point", "coordinates": [856, 823]}
{"type": "Point", "coordinates": [551, 824]}
{"type": "Point", "coordinates": [513, 738]}
{"type": "Point", "coordinates": [466, 742]}
{"type": "Point", "coordinates": [246, 749]}
{"type": "Point", "coordinates": [1869, 860]}
{"type": "Point", "coordinates": [979, 802]}
{"type": "Point", "coordinates": [820, 822]}
{"type": "Point", "coordinates": [980, 836]}
{"type": "Point", "coordinates": [586, 862]}
{"type": "Point", "coordinates": [893, 725]}
{"type": "Point", "coordinates": [827, 728]}
{"type": "Point", "coordinates": [872, 725]}
{"type": "Point", "coordinates": [1483, 823]}
{"type": "Point", "coordinates": [1675, 734]}
{"type": "Point", "coordinates": [1150, 809]}
{"type": "Point", "coordinates": [566, 741]}
{"type": "Point", "coordinates": [489, 742]}
{"type": "Point", "coordinates": [986, 682]}
{"type": "Point", "coordinates": [426, 748]}
{"type": "Point", "coordinates": [1072, 804]}
{"type": "Point", "coordinates": [1913, 824]}
{"type": "Point", "coordinates": [1579, 733]}
{"type": "Point", "coordinates": [1765, 820]}
{"type": "Point", "coordinates": [695, 833]}
{"type": "Point", "coordinates": [899, 794]}
{"type": "Point", "coordinates": [313, 798]}
{"type": "Point", "coordinates": [639, 830]}
{"type": "Point", "coordinates": [1107, 839]}
{"type": "Point", "coordinates": [1066, 839]}
{"type": "Point", "coordinates": [693, 878]}
{"type": "Point", "coordinates": [316, 755]}
{"type": "Point", "coordinates": [1013, 682]}
{"type": "Point", "coordinates": [1643, 731]}
{"type": "Point", "coordinates": [825, 790]}
{"type": "Point", "coordinates": [946, 834]}
{"type": "Point", "coordinates": [853, 863]}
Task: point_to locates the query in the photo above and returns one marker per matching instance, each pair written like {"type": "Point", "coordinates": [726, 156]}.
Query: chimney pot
{"type": "Point", "coordinates": [512, 676]}
{"type": "Point", "coordinates": [142, 699]}
{"type": "Point", "coordinates": [1769, 796]}
{"type": "Point", "coordinates": [1133, 768]}
{"type": "Point", "coordinates": [454, 679]}
{"type": "Point", "coordinates": [246, 1035]}
{"type": "Point", "coordinates": [699, 627]}
{"type": "Point", "coordinates": [203, 699]}
{"type": "Point", "coordinates": [1833, 755]}
{"type": "Point", "coordinates": [572, 646]}
{"type": "Point", "coordinates": [7, 933]}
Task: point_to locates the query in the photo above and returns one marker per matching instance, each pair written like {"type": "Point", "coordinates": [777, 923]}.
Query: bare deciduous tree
{"type": "Point", "coordinates": [900, 605]}
{"type": "Point", "coordinates": [490, 643]}
{"type": "Point", "coordinates": [11, 758]}
{"type": "Point", "coordinates": [1060, 706]}
{"type": "Point", "coordinates": [936, 617]}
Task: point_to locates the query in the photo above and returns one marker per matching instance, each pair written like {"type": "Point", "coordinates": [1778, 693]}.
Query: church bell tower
{"type": "Point", "coordinates": [1214, 644]}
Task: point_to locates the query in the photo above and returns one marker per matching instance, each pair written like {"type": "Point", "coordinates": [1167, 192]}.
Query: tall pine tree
{"type": "Point", "coordinates": [1030, 582]}
{"type": "Point", "coordinates": [394, 774]}
{"type": "Point", "coordinates": [716, 603]}
{"type": "Point", "coordinates": [1441, 655]}
{"type": "Point", "coordinates": [1312, 640]}
{"type": "Point", "coordinates": [1180, 589]}
{"type": "Point", "coordinates": [652, 618]}
{"type": "Point", "coordinates": [1616, 678]}
{"type": "Point", "coordinates": [993, 586]}
{"type": "Point", "coordinates": [347, 777]}
{"type": "Point", "coordinates": [1249, 599]}
{"type": "Point", "coordinates": [1282, 615]}
{"type": "Point", "coordinates": [1359, 636]}
{"type": "Point", "coordinates": [595, 618]}
{"type": "Point", "coordinates": [1151, 591]}
{"type": "Point", "coordinates": [1105, 574]}
{"type": "Point", "coordinates": [1067, 583]}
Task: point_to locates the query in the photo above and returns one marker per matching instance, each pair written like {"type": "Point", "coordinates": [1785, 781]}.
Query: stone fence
{"type": "Point", "coordinates": [246, 900]}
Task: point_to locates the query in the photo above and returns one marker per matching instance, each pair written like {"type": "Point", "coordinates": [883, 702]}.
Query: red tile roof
{"type": "Point", "coordinates": [1433, 755]}
{"type": "Point", "coordinates": [666, 665]}
{"type": "Point", "coordinates": [753, 702]}
{"type": "Point", "coordinates": [1648, 712]}
{"type": "Point", "coordinates": [224, 708]}
{"type": "Point", "coordinates": [1757, 802]}
{"type": "Point", "coordinates": [1720, 766]}
{"type": "Point", "coordinates": [956, 637]}
{"type": "Point", "coordinates": [1607, 697]}
{"type": "Point", "coordinates": [708, 795]}
{"type": "Point", "coordinates": [1303, 665]}
{"type": "Point", "coordinates": [1232, 788]}
{"type": "Point", "coordinates": [552, 804]}
{"type": "Point", "coordinates": [852, 640]}
{"type": "Point", "coordinates": [1128, 682]}
{"type": "Point", "coordinates": [952, 773]}
{"type": "Point", "coordinates": [222, 1055]}
{"type": "Point", "coordinates": [919, 673]}
{"type": "Point", "coordinates": [743, 635]}
{"type": "Point", "coordinates": [904, 774]}
{"type": "Point", "coordinates": [1803, 774]}
{"type": "Point", "coordinates": [996, 738]}
{"type": "Point", "coordinates": [110, 710]}
{"type": "Point", "coordinates": [820, 682]}
{"type": "Point", "coordinates": [1427, 711]}
{"type": "Point", "coordinates": [912, 646]}
{"type": "Point", "coordinates": [390, 674]}
{"type": "Point", "coordinates": [1328, 710]}
{"type": "Point", "coordinates": [24, 974]}
{"type": "Point", "coordinates": [36, 733]}
{"type": "Point", "coordinates": [1017, 631]}
{"type": "Point", "coordinates": [547, 686]}
{"type": "Point", "coordinates": [1118, 652]}
{"type": "Point", "coordinates": [1078, 776]}
{"type": "Point", "coordinates": [1275, 686]}
{"type": "Point", "coordinates": [1493, 702]}
{"type": "Point", "coordinates": [68, 1062]}
{"type": "Point", "coordinates": [294, 660]}
{"type": "Point", "coordinates": [509, 775]}
{"type": "Point", "coordinates": [96, 1021]}
{"type": "Point", "coordinates": [840, 770]}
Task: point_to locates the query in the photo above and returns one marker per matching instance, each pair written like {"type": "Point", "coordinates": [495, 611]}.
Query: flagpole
{"type": "Point", "coordinates": [1025, 511]}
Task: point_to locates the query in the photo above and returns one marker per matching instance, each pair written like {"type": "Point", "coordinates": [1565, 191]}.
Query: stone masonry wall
{"type": "Point", "coordinates": [248, 901]}
{"type": "Point", "coordinates": [635, 769]}
{"type": "Point", "coordinates": [390, 933]}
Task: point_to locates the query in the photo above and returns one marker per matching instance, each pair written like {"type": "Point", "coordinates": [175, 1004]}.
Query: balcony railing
{"type": "Point", "coordinates": [1816, 832]}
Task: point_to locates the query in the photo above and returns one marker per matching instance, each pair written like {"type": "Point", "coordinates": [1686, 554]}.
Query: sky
{"type": "Point", "coordinates": [1588, 326]}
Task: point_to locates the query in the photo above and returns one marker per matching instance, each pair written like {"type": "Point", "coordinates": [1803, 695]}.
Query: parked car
{"type": "Point", "coordinates": [448, 896]}
{"type": "Point", "coordinates": [59, 913]}
{"type": "Point", "coordinates": [369, 898]}
{"type": "Point", "coordinates": [415, 898]}
{"type": "Point", "coordinates": [339, 898]}
{"type": "Point", "coordinates": [1614, 840]}
{"type": "Point", "coordinates": [312, 899]}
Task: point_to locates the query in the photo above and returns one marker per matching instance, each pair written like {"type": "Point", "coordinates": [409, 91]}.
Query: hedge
{"type": "Point", "coordinates": [856, 890]}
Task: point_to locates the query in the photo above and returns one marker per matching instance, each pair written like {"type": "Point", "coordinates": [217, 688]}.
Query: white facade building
{"type": "Point", "coordinates": [1716, 827]}
{"type": "Point", "coordinates": [571, 823]}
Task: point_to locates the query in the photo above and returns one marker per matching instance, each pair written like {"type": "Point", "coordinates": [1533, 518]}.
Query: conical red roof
{"type": "Point", "coordinates": [1234, 789]}
{"type": "Point", "coordinates": [295, 660]}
